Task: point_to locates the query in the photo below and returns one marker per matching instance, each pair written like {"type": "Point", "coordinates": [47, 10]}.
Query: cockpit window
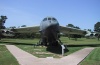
{"type": "Point", "coordinates": [53, 19]}
{"type": "Point", "coordinates": [49, 18]}
{"type": "Point", "coordinates": [44, 19]}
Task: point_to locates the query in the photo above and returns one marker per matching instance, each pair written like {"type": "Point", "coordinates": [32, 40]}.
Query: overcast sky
{"type": "Point", "coordinates": [82, 13]}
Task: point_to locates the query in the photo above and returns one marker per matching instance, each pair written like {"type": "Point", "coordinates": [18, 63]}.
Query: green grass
{"type": "Point", "coordinates": [65, 40]}
{"type": "Point", "coordinates": [29, 41]}
{"type": "Point", "coordinates": [93, 58]}
{"type": "Point", "coordinates": [6, 58]}
{"type": "Point", "coordinates": [37, 51]}
{"type": "Point", "coordinates": [41, 52]}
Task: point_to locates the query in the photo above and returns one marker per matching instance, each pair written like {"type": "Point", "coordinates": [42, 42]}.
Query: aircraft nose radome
{"type": "Point", "coordinates": [52, 23]}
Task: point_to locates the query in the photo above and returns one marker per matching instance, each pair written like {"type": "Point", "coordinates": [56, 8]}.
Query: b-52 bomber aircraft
{"type": "Point", "coordinates": [49, 30]}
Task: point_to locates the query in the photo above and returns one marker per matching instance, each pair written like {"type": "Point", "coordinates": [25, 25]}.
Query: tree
{"type": "Point", "coordinates": [77, 27]}
{"type": "Point", "coordinates": [2, 21]}
{"type": "Point", "coordinates": [12, 27]}
{"type": "Point", "coordinates": [23, 26]}
{"type": "Point", "coordinates": [70, 25]}
{"type": "Point", "coordinates": [89, 30]}
{"type": "Point", "coordinates": [97, 27]}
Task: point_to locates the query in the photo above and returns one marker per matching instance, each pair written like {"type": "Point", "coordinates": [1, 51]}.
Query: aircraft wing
{"type": "Point", "coordinates": [63, 29]}
{"type": "Point", "coordinates": [28, 30]}
{"type": "Point", "coordinates": [67, 30]}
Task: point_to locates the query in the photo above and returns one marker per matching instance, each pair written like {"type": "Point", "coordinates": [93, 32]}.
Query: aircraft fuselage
{"type": "Point", "coordinates": [49, 29]}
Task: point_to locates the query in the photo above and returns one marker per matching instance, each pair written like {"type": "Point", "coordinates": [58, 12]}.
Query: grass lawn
{"type": "Point", "coordinates": [42, 52]}
{"type": "Point", "coordinates": [65, 40]}
{"type": "Point", "coordinates": [17, 41]}
{"type": "Point", "coordinates": [73, 46]}
{"type": "Point", "coordinates": [93, 58]}
{"type": "Point", "coordinates": [6, 58]}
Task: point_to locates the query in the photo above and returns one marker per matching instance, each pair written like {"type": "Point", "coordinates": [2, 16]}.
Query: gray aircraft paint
{"type": "Point", "coordinates": [49, 29]}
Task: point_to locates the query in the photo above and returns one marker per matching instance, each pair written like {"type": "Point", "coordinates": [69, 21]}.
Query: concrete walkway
{"type": "Point", "coordinates": [25, 58]}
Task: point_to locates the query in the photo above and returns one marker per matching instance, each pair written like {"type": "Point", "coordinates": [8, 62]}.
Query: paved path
{"type": "Point", "coordinates": [25, 58]}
